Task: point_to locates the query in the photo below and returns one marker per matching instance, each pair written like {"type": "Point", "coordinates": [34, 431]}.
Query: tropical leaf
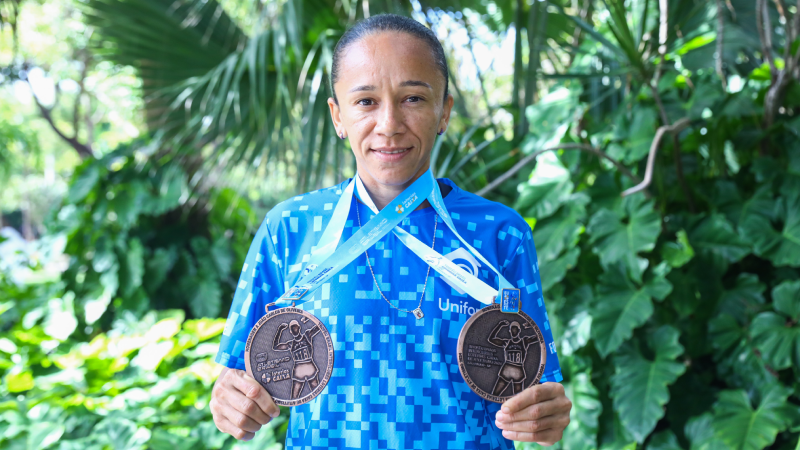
{"type": "Point", "coordinates": [700, 432]}
{"type": "Point", "coordinates": [620, 306]}
{"type": "Point", "coordinates": [131, 268]}
{"type": "Point", "coordinates": [745, 299]}
{"type": "Point", "coordinates": [550, 118]}
{"type": "Point", "coordinates": [548, 187]}
{"type": "Point", "coordinates": [619, 235]}
{"type": "Point", "coordinates": [639, 386]}
{"type": "Point", "coordinates": [634, 134]}
{"type": "Point", "coordinates": [216, 91]}
{"type": "Point", "coordinates": [715, 239]}
{"type": "Point", "coordinates": [556, 239]}
{"type": "Point", "coordinates": [586, 409]}
{"type": "Point", "coordinates": [679, 252]}
{"type": "Point", "coordinates": [577, 332]}
{"type": "Point", "coordinates": [741, 426]}
{"type": "Point", "coordinates": [786, 299]}
{"type": "Point", "coordinates": [555, 271]}
{"type": "Point", "coordinates": [776, 238]}
{"type": "Point", "coordinates": [737, 361]}
{"type": "Point", "coordinates": [664, 440]}
{"type": "Point", "coordinates": [777, 334]}
{"type": "Point", "coordinates": [561, 231]}
{"type": "Point", "coordinates": [85, 180]}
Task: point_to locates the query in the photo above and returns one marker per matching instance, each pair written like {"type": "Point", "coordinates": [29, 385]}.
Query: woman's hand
{"type": "Point", "coordinates": [537, 414]}
{"type": "Point", "coordinates": [239, 405]}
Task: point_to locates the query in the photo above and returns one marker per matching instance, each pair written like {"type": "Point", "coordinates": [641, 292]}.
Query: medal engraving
{"type": "Point", "coordinates": [290, 353]}
{"type": "Point", "coordinates": [500, 354]}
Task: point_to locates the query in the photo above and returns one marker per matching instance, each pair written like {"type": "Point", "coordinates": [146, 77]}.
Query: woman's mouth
{"type": "Point", "coordinates": [391, 150]}
{"type": "Point", "coordinates": [390, 154]}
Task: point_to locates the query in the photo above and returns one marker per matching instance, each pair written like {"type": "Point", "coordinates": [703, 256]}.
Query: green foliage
{"type": "Point", "coordinates": [130, 227]}
{"type": "Point", "coordinates": [104, 357]}
{"type": "Point", "coordinates": [681, 304]}
{"type": "Point", "coordinates": [639, 386]}
{"type": "Point", "coordinates": [741, 426]}
{"type": "Point", "coordinates": [676, 310]}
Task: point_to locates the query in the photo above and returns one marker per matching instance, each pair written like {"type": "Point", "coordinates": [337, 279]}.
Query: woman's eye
{"type": "Point", "coordinates": [414, 99]}
{"type": "Point", "coordinates": [364, 102]}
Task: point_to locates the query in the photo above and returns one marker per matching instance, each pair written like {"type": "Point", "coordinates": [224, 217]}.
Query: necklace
{"type": "Point", "coordinates": [417, 312]}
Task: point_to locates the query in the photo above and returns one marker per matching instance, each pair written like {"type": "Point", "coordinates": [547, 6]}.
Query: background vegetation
{"type": "Point", "coordinates": [651, 144]}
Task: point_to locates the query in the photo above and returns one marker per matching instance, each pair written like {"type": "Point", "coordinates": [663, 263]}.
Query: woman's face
{"type": "Point", "coordinates": [391, 106]}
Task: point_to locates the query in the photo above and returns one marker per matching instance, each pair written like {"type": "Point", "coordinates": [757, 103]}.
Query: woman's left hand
{"type": "Point", "coordinates": [537, 414]}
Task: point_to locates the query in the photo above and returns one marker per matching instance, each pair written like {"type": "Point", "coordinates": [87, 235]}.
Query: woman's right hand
{"type": "Point", "coordinates": [240, 405]}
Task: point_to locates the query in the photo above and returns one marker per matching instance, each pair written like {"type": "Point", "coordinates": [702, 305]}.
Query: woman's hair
{"type": "Point", "coordinates": [388, 22]}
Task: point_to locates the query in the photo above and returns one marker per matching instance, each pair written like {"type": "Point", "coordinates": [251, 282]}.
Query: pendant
{"type": "Point", "coordinates": [500, 353]}
{"type": "Point", "coordinates": [418, 313]}
{"type": "Point", "coordinates": [290, 352]}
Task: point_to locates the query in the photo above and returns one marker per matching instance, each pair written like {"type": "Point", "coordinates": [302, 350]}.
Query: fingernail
{"type": "Point", "coordinates": [275, 414]}
{"type": "Point", "coordinates": [498, 424]}
{"type": "Point", "coordinates": [506, 410]}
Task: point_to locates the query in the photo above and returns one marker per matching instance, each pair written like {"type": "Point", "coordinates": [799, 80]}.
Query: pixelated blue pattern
{"type": "Point", "coordinates": [395, 382]}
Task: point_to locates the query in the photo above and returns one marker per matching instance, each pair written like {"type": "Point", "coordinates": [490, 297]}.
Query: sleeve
{"type": "Point", "coordinates": [260, 283]}
{"type": "Point", "coordinates": [522, 272]}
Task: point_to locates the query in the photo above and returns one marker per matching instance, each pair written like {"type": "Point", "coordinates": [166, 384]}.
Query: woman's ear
{"type": "Point", "coordinates": [448, 106]}
{"type": "Point", "coordinates": [336, 116]}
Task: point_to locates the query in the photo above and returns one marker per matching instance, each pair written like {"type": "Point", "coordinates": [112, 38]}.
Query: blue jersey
{"type": "Point", "coordinates": [395, 381]}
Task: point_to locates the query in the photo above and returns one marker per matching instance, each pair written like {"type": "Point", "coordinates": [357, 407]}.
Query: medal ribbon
{"type": "Point", "coordinates": [326, 260]}
{"type": "Point", "coordinates": [468, 283]}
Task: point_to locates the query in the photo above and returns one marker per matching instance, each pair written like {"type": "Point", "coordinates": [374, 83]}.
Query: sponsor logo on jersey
{"type": "Point", "coordinates": [463, 259]}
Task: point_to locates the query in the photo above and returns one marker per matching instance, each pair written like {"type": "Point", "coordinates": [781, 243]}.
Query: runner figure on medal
{"type": "Point", "coordinates": [516, 350]}
{"type": "Point", "coordinates": [304, 370]}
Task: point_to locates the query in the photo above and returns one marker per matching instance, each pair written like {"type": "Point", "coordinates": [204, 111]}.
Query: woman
{"type": "Point", "coordinates": [395, 382]}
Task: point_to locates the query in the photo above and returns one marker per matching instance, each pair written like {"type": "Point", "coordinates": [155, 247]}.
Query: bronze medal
{"type": "Point", "coordinates": [500, 354]}
{"type": "Point", "coordinates": [290, 352]}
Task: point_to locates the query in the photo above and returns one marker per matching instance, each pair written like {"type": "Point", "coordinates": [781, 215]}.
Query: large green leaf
{"type": "Point", "coordinates": [679, 252]}
{"type": "Point", "coordinates": [554, 271]}
{"type": "Point", "coordinates": [777, 334]}
{"type": "Point", "coordinates": [547, 189]}
{"type": "Point", "coordinates": [728, 199]}
{"type": "Point", "coordinates": [131, 268]}
{"type": "Point", "coordinates": [553, 235]}
{"type": "Point", "coordinates": [635, 131]}
{"type": "Point", "coordinates": [743, 427]}
{"type": "Point", "coordinates": [44, 434]}
{"type": "Point", "coordinates": [639, 386]}
{"type": "Point", "coordinates": [621, 234]}
{"type": "Point", "coordinates": [737, 361]}
{"type": "Point", "coordinates": [700, 432]}
{"type": "Point", "coordinates": [664, 440]}
{"type": "Point", "coordinates": [620, 306]}
{"type": "Point", "coordinates": [586, 408]}
{"type": "Point", "coordinates": [715, 238]}
{"type": "Point", "coordinates": [745, 299]}
{"type": "Point", "coordinates": [576, 314]}
{"type": "Point", "coordinates": [84, 182]}
{"type": "Point", "coordinates": [776, 238]}
{"type": "Point", "coordinates": [786, 299]}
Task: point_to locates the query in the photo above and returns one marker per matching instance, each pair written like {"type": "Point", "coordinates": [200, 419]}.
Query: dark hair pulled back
{"type": "Point", "coordinates": [388, 22]}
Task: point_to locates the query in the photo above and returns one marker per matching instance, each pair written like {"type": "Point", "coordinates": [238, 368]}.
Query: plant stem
{"type": "Point", "coordinates": [532, 157]}
{"type": "Point", "coordinates": [720, 41]}
{"type": "Point", "coordinates": [676, 149]}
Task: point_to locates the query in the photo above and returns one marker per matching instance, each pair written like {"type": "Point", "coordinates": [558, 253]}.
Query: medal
{"type": "Point", "coordinates": [290, 353]}
{"type": "Point", "coordinates": [501, 353]}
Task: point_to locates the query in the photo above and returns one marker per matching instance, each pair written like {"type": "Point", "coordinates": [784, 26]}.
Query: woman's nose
{"type": "Point", "coordinates": [390, 120]}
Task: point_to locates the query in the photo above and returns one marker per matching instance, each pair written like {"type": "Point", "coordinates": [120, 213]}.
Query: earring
{"type": "Point", "coordinates": [341, 135]}
{"type": "Point", "coordinates": [441, 132]}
